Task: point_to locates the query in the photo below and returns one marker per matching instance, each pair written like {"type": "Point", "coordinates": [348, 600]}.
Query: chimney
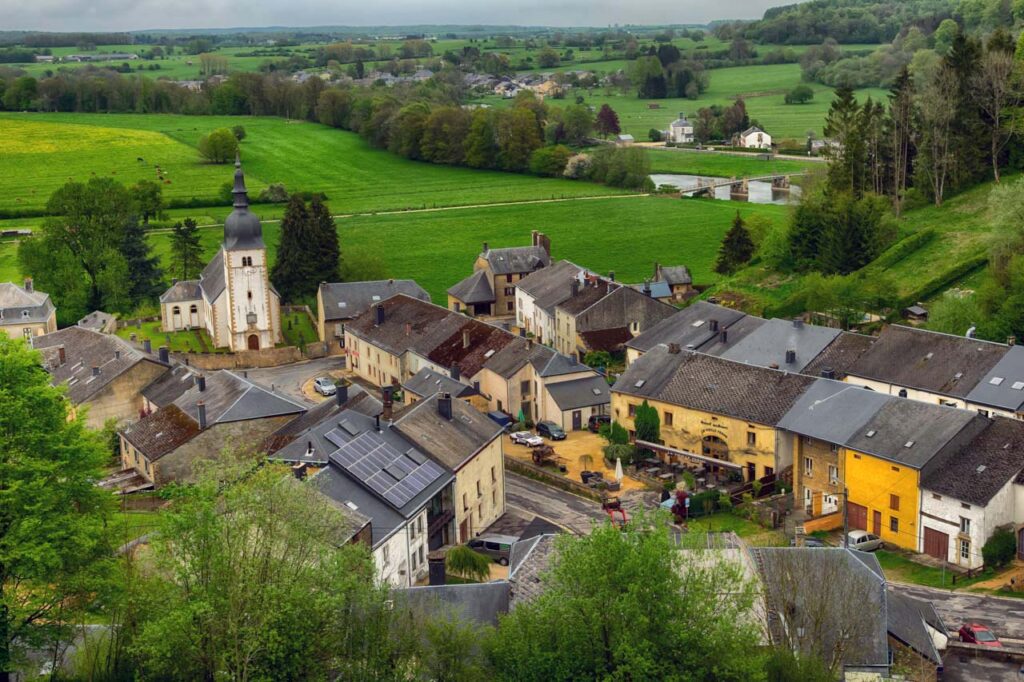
{"type": "Point", "coordinates": [790, 356]}
{"type": "Point", "coordinates": [408, 328]}
{"type": "Point", "coordinates": [95, 371]}
{"type": "Point", "coordinates": [647, 288]}
{"type": "Point", "coordinates": [673, 348]}
{"type": "Point", "coordinates": [386, 402]}
{"type": "Point", "coordinates": [465, 338]}
{"type": "Point", "coordinates": [376, 423]}
{"type": "Point", "coordinates": [723, 336]}
{"type": "Point", "coordinates": [828, 373]}
{"type": "Point", "coordinates": [657, 271]}
{"type": "Point", "coordinates": [201, 406]}
{"type": "Point", "coordinates": [299, 470]}
{"type": "Point", "coordinates": [575, 287]}
{"type": "Point", "coordinates": [62, 355]}
{"type": "Point", "coordinates": [379, 309]}
{"type": "Point", "coordinates": [486, 247]}
{"type": "Point", "coordinates": [29, 286]}
{"type": "Point", "coordinates": [540, 239]}
{"type": "Point", "coordinates": [165, 355]}
{"type": "Point", "coordinates": [341, 394]}
{"type": "Point", "coordinates": [798, 323]}
{"type": "Point", "coordinates": [147, 346]}
{"type": "Point", "coordinates": [201, 382]}
{"type": "Point", "coordinates": [611, 275]}
{"type": "Point", "coordinates": [714, 325]}
{"type": "Point", "coordinates": [534, 237]}
{"type": "Point", "coordinates": [455, 373]}
{"type": "Point", "coordinates": [444, 406]}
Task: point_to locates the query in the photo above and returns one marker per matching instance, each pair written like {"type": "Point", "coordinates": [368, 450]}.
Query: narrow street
{"type": "Point", "coordinates": [1003, 614]}
{"type": "Point", "coordinates": [289, 379]}
{"type": "Point", "coordinates": [565, 509]}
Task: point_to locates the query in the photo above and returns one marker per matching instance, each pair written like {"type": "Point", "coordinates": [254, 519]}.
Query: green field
{"type": "Point", "coordinates": [690, 162]}
{"type": "Point", "coordinates": [40, 152]}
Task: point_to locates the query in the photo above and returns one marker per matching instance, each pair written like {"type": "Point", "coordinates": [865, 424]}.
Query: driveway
{"type": "Point", "coordinates": [1004, 615]}
{"type": "Point", "coordinates": [290, 379]}
{"type": "Point", "coordinates": [574, 513]}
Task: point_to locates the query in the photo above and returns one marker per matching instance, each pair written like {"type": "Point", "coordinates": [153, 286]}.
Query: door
{"type": "Point", "coordinates": [577, 420]}
{"type": "Point", "coordinates": [1020, 544]}
{"type": "Point", "coordinates": [254, 342]}
{"type": "Point", "coordinates": [876, 523]}
{"type": "Point", "coordinates": [857, 516]}
{"type": "Point", "coordinates": [464, 530]}
{"type": "Point", "coordinates": [193, 316]}
{"type": "Point", "coordinates": [751, 472]}
{"type": "Point", "coordinates": [936, 543]}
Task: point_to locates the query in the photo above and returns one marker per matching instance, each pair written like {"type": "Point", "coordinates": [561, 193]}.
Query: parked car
{"type": "Point", "coordinates": [975, 633]}
{"type": "Point", "coordinates": [550, 430]}
{"type": "Point", "coordinates": [863, 541]}
{"type": "Point", "coordinates": [809, 541]}
{"type": "Point", "coordinates": [498, 547]}
{"type": "Point", "coordinates": [596, 421]}
{"type": "Point", "coordinates": [527, 438]}
{"type": "Point", "coordinates": [324, 386]}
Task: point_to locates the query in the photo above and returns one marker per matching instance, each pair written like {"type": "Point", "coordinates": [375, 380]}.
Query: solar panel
{"type": "Point", "coordinates": [396, 476]}
{"type": "Point", "coordinates": [335, 437]}
{"type": "Point", "coordinates": [347, 426]}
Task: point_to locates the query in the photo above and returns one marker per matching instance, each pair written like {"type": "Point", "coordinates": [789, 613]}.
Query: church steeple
{"type": "Point", "coordinates": [242, 229]}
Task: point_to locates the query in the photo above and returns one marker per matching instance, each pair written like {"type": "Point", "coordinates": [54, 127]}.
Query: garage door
{"type": "Point", "coordinates": [936, 543]}
{"type": "Point", "coordinates": [857, 516]}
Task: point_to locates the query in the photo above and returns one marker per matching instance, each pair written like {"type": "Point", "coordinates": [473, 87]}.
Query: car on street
{"type": "Point", "coordinates": [596, 421]}
{"type": "Point", "coordinates": [498, 547]}
{"type": "Point", "coordinates": [809, 541]}
{"type": "Point", "coordinates": [550, 430]}
{"type": "Point", "coordinates": [976, 633]}
{"type": "Point", "coordinates": [527, 438]}
{"type": "Point", "coordinates": [324, 386]}
{"type": "Point", "coordinates": [863, 541]}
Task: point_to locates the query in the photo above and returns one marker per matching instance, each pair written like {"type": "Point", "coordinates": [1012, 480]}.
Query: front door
{"type": "Point", "coordinates": [857, 516]}
{"type": "Point", "coordinates": [876, 523]}
{"type": "Point", "coordinates": [254, 342]}
{"type": "Point", "coordinates": [751, 472]}
{"type": "Point", "coordinates": [577, 420]}
{"type": "Point", "coordinates": [464, 530]}
{"type": "Point", "coordinates": [1020, 544]}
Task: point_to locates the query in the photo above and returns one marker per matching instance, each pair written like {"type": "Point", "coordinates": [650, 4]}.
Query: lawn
{"type": "Point", "coordinates": [131, 525]}
{"type": "Point", "coordinates": [727, 522]}
{"type": "Point", "coordinates": [298, 329]}
{"type": "Point", "coordinates": [194, 341]}
{"type": "Point", "coordinates": [40, 152]}
{"type": "Point", "coordinates": [722, 165]}
{"type": "Point", "coordinates": [899, 568]}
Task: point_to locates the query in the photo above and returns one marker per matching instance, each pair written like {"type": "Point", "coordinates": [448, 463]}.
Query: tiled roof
{"type": "Point", "coordinates": [407, 322]}
{"type": "Point", "coordinates": [552, 285]}
{"type": "Point", "coordinates": [714, 385]}
{"type": "Point", "coordinates": [482, 338]}
{"type": "Point", "coordinates": [515, 259]}
{"type": "Point", "coordinates": [345, 300]}
{"type": "Point", "coordinates": [611, 340]}
{"type": "Point", "coordinates": [677, 274]}
{"type": "Point", "coordinates": [450, 441]}
{"type": "Point", "coordinates": [472, 603]}
{"type": "Point", "coordinates": [839, 355]}
{"type": "Point", "coordinates": [984, 466]}
{"type": "Point", "coordinates": [476, 288]}
{"type": "Point", "coordinates": [586, 296]}
{"type": "Point", "coordinates": [929, 361]}
{"type": "Point", "coordinates": [526, 575]}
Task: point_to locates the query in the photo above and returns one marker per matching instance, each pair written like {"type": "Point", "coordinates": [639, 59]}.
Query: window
{"type": "Point", "coordinates": [421, 554]}
{"type": "Point", "coordinates": [510, 306]}
{"type": "Point", "coordinates": [249, 294]}
{"type": "Point", "coordinates": [965, 525]}
{"type": "Point", "coordinates": [808, 467]}
{"type": "Point", "coordinates": [494, 498]}
{"type": "Point", "coordinates": [500, 407]}
{"type": "Point", "coordinates": [414, 561]}
{"type": "Point", "coordinates": [479, 490]}
{"type": "Point", "coordinates": [510, 291]}
{"type": "Point", "coordinates": [419, 524]}
{"type": "Point", "coordinates": [27, 332]}
{"type": "Point", "coordinates": [668, 418]}
{"type": "Point", "coordinates": [894, 502]}
{"type": "Point", "coordinates": [508, 278]}
{"type": "Point", "coordinates": [834, 448]}
{"type": "Point", "coordinates": [965, 550]}
{"type": "Point", "coordinates": [936, 496]}
{"type": "Point", "coordinates": [494, 475]}
{"type": "Point", "coordinates": [964, 505]}
{"type": "Point", "coordinates": [632, 410]}
{"type": "Point", "coordinates": [894, 524]}
{"type": "Point", "coordinates": [856, 456]}
{"type": "Point", "coordinates": [524, 388]}
{"type": "Point", "coordinates": [751, 438]}
{"type": "Point", "coordinates": [385, 555]}
{"type": "Point", "coordinates": [465, 502]}
{"type": "Point", "coordinates": [176, 311]}
{"type": "Point", "coordinates": [896, 469]}
{"type": "Point", "coordinates": [833, 473]}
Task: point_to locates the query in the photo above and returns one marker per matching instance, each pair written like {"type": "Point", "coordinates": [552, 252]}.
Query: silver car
{"type": "Point", "coordinates": [324, 386]}
{"type": "Point", "coordinates": [863, 540]}
{"type": "Point", "coordinates": [527, 438]}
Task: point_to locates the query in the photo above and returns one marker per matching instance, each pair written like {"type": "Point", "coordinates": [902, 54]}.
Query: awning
{"type": "Point", "coordinates": [683, 453]}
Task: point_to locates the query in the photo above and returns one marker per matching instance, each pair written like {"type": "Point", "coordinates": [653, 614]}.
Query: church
{"type": "Point", "coordinates": [233, 298]}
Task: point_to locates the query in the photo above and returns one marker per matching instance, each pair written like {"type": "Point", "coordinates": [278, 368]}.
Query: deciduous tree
{"type": "Point", "coordinates": [220, 146]}
{"type": "Point", "coordinates": [607, 122]}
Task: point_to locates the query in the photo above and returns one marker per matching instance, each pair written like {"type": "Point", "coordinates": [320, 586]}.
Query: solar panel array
{"type": "Point", "coordinates": [396, 476]}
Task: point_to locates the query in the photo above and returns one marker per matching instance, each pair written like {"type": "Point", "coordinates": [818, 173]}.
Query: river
{"type": "Point", "coordinates": [760, 191]}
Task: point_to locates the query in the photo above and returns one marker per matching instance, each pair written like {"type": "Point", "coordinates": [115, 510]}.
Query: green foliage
{"type": "Point", "coordinates": [550, 161]}
{"type": "Point", "coordinates": [327, 257]}
{"type": "Point", "coordinates": [294, 272]}
{"type": "Point", "coordinates": [220, 146]}
{"type": "Point", "coordinates": [607, 122]}
{"type": "Point", "coordinates": [362, 265]}
{"type": "Point", "coordinates": [647, 423]}
{"type": "Point", "coordinates": [801, 94]}
{"type": "Point", "coordinates": [147, 197]}
{"type": "Point", "coordinates": [186, 250]}
{"type": "Point", "coordinates": [275, 193]}
{"type": "Point", "coordinates": [737, 248]}
{"type": "Point", "coordinates": [1000, 549]}
{"type": "Point", "coordinates": [624, 451]}
{"type": "Point", "coordinates": [614, 433]}
{"type": "Point", "coordinates": [464, 562]}
{"type": "Point", "coordinates": [783, 665]}
{"type": "Point", "coordinates": [597, 358]}
{"type": "Point", "coordinates": [453, 649]}
{"type": "Point", "coordinates": [622, 604]}
{"type": "Point", "coordinates": [655, 135]}
{"type": "Point", "coordinates": [53, 539]}
{"type": "Point", "coordinates": [628, 167]}
{"type": "Point", "coordinates": [955, 314]}
{"type": "Point", "coordinates": [238, 132]}
{"type": "Point", "coordinates": [846, 298]}
{"type": "Point", "coordinates": [834, 232]}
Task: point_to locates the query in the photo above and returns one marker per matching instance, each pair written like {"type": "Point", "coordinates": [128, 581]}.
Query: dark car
{"type": "Point", "coordinates": [596, 421]}
{"type": "Point", "coordinates": [975, 633]}
{"type": "Point", "coordinates": [550, 430]}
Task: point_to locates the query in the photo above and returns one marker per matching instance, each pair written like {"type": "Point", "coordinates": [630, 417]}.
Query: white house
{"type": "Point", "coordinates": [755, 138]}
{"type": "Point", "coordinates": [233, 298]}
{"type": "Point", "coordinates": [680, 131]}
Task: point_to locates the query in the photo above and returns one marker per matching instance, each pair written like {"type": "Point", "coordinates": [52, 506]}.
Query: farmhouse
{"type": "Point", "coordinates": [680, 131]}
{"type": "Point", "coordinates": [754, 138]}
{"type": "Point", "coordinates": [24, 312]}
{"type": "Point", "coordinates": [678, 280]}
{"type": "Point", "coordinates": [537, 294]}
{"type": "Point", "coordinates": [233, 298]}
{"type": "Point", "coordinates": [603, 316]}
{"type": "Point", "coordinates": [490, 291]}
{"type": "Point", "coordinates": [340, 302]}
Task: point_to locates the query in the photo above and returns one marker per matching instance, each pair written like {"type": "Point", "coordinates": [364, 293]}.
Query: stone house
{"type": "Point", "coordinates": [337, 303]}
{"type": "Point", "coordinates": [604, 316]}
{"type": "Point", "coordinates": [102, 372]}
{"type": "Point", "coordinates": [24, 312]}
{"type": "Point", "coordinates": [490, 291]}
{"type": "Point", "coordinates": [678, 279]}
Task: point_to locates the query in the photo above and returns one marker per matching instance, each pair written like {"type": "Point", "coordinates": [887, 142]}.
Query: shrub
{"type": "Point", "coordinates": [220, 146]}
{"type": "Point", "coordinates": [550, 161]}
{"type": "Point", "coordinates": [464, 562]}
{"type": "Point", "coordinates": [618, 451]}
{"type": "Point", "coordinates": [614, 433]}
{"type": "Point", "coordinates": [654, 135]}
{"type": "Point", "coordinates": [598, 358]}
{"type": "Point", "coordinates": [577, 167]}
{"type": "Point", "coordinates": [999, 549]}
{"type": "Point", "coordinates": [275, 193]}
{"type": "Point", "coordinates": [238, 132]}
{"type": "Point", "coordinates": [801, 94]}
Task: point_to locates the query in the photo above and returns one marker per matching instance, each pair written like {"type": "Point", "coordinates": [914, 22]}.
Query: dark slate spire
{"type": "Point", "coordinates": [242, 229]}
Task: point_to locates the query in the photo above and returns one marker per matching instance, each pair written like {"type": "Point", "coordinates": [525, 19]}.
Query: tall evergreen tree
{"type": "Point", "coordinates": [737, 248]}
{"type": "Point", "coordinates": [186, 250]}
{"type": "Point", "coordinates": [900, 129]}
{"type": "Point", "coordinates": [325, 237]}
{"type": "Point", "coordinates": [968, 136]}
{"type": "Point", "coordinates": [294, 272]}
{"type": "Point", "coordinates": [144, 271]}
{"type": "Point", "coordinates": [843, 126]}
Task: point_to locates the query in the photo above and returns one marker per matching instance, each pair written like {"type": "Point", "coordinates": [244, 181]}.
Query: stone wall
{"type": "Point", "coordinates": [246, 359]}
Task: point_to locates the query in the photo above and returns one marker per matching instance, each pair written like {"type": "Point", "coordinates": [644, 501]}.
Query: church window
{"type": "Point", "coordinates": [250, 295]}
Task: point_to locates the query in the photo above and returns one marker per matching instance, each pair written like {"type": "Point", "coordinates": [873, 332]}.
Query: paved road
{"type": "Point", "coordinates": [565, 509]}
{"type": "Point", "coordinates": [1004, 615]}
{"type": "Point", "coordinates": [288, 379]}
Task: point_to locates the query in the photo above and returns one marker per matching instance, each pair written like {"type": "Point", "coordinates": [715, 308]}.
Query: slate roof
{"type": "Point", "coordinates": [675, 274]}
{"type": "Point", "coordinates": [98, 321]}
{"type": "Point", "coordinates": [711, 384]}
{"type": "Point", "coordinates": [907, 620]}
{"type": "Point", "coordinates": [185, 290]}
{"type": "Point", "coordinates": [551, 285]}
{"type": "Point", "coordinates": [291, 443]}
{"type": "Point", "coordinates": [517, 353]}
{"type": "Point", "coordinates": [928, 361]}
{"type": "Point", "coordinates": [479, 603]}
{"type": "Point", "coordinates": [83, 350]}
{"type": "Point", "coordinates": [751, 130]}
{"type": "Point", "coordinates": [623, 307]}
{"type": "Point", "coordinates": [579, 393]}
{"type": "Point", "coordinates": [20, 306]}
{"type": "Point", "coordinates": [928, 429]}
{"type": "Point", "coordinates": [211, 279]}
{"type": "Point", "coordinates": [737, 331]}
{"type": "Point", "coordinates": [656, 289]}
{"type": "Point", "coordinates": [984, 466]}
{"type": "Point", "coordinates": [586, 297]}
{"type": "Point", "coordinates": [453, 441]}
{"type": "Point", "coordinates": [681, 122]}
{"type": "Point", "coordinates": [525, 574]}
{"type": "Point", "coordinates": [767, 345]}
{"type": "Point", "coordinates": [421, 317]}
{"type": "Point", "coordinates": [839, 355]}
{"type": "Point", "coordinates": [169, 386]}
{"type": "Point", "coordinates": [833, 411]}
{"type": "Point", "coordinates": [345, 300]}
{"type": "Point", "coordinates": [516, 259]}
{"type": "Point", "coordinates": [162, 432]}
{"type": "Point", "coordinates": [1003, 385]}
{"type": "Point", "coordinates": [427, 382]}
{"type": "Point", "coordinates": [690, 327]}
{"type": "Point", "coordinates": [611, 340]}
{"type": "Point", "coordinates": [476, 288]}
{"type": "Point", "coordinates": [557, 364]}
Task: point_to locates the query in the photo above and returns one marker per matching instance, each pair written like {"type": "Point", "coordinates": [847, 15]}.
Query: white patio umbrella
{"type": "Point", "coordinates": [618, 469]}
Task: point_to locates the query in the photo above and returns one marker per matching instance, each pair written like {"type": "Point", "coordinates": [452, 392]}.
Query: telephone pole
{"type": "Point", "coordinates": [846, 507]}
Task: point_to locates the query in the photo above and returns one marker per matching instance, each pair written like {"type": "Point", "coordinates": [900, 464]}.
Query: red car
{"type": "Point", "coordinates": [975, 633]}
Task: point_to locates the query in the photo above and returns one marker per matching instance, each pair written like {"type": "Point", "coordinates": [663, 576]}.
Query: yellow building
{"type": "Point", "coordinates": [24, 312]}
